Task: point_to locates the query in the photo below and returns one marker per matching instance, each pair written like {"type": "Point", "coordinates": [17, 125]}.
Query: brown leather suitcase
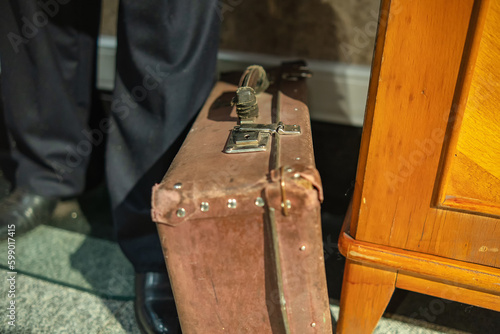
{"type": "Point", "coordinates": [238, 212]}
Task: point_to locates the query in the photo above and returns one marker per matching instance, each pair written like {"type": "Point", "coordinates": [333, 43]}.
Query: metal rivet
{"type": "Point", "coordinates": [289, 170]}
{"type": "Point", "coordinates": [287, 203]}
{"type": "Point", "coordinates": [204, 207]}
{"type": "Point", "coordinates": [296, 175]}
{"type": "Point", "coordinates": [303, 248]}
{"type": "Point", "coordinates": [259, 202]}
{"type": "Point", "coordinates": [231, 203]}
{"type": "Point", "coordinates": [74, 215]}
{"type": "Point", "coordinates": [313, 324]}
{"type": "Point", "coordinates": [296, 109]}
{"type": "Point", "coordinates": [181, 212]}
{"type": "Point", "coordinates": [297, 158]}
{"type": "Point", "coordinates": [178, 185]}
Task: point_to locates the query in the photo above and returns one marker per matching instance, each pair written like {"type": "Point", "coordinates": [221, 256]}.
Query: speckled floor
{"type": "Point", "coordinates": [71, 279]}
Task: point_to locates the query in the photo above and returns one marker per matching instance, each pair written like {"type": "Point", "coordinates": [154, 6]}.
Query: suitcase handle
{"type": "Point", "coordinates": [253, 81]}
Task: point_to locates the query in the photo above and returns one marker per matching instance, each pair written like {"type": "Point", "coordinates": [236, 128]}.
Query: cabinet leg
{"type": "Point", "coordinates": [366, 291]}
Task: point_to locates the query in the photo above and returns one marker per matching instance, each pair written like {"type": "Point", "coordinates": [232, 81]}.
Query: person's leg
{"type": "Point", "coordinates": [165, 69]}
{"type": "Point", "coordinates": [47, 51]}
{"type": "Point", "coordinates": [166, 61]}
{"type": "Point", "coordinates": [48, 60]}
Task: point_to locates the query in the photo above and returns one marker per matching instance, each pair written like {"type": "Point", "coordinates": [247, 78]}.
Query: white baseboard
{"type": "Point", "coordinates": [337, 91]}
{"type": "Point", "coordinates": [106, 62]}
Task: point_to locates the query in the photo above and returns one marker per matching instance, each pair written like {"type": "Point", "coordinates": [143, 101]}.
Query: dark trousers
{"type": "Point", "coordinates": [165, 69]}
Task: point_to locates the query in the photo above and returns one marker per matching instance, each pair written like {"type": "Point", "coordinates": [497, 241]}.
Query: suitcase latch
{"type": "Point", "coordinates": [250, 137]}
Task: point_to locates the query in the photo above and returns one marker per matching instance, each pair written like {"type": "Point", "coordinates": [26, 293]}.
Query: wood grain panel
{"type": "Point", "coordinates": [366, 291]}
{"type": "Point", "coordinates": [455, 273]}
{"type": "Point", "coordinates": [450, 292]}
{"type": "Point", "coordinates": [472, 174]}
{"type": "Point", "coordinates": [409, 108]}
{"type": "Point", "coordinates": [370, 105]}
{"type": "Point", "coordinates": [370, 270]}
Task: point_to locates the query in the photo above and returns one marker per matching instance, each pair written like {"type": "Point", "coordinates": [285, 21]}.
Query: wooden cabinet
{"type": "Point", "coordinates": [425, 214]}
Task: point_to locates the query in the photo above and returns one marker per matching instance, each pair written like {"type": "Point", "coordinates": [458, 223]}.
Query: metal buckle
{"type": "Point", "coordinates": [251, 137]}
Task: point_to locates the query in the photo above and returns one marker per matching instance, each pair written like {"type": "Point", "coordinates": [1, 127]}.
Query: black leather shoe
{"type": "Point", "coordinates": [155, 310]}
{"type": "Point", "coordinates": [25, 210]}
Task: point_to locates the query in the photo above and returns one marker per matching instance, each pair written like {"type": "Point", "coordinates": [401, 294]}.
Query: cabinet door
{"type": "Point", "coordinates": [471, 163]}
{"type": "Point", "coordinates": [428, 171]}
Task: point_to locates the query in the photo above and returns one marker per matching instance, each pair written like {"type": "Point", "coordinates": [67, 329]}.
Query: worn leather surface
{"type": "Point", "coordinates": [221, 261]}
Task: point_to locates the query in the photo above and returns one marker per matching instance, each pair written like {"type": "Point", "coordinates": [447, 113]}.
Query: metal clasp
{"type": "Point", "coordinates": [250, 137]}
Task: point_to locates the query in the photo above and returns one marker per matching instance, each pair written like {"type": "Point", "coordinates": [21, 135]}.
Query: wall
{"type": "Point", "coordinates": [334, 30]}
{"type": "Point", "coordinates": [336, 37]}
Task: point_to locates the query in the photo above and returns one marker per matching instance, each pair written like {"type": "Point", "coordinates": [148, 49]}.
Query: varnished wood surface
{"type": "Point", "coordinates": [370, 266]}
{"type": "Point", "coordinates": [366, 291]}
{"type": "Point", "coordinates": [416, 70]}
{"type": "Point", "coordinates": [452, 272]}
{"type": "Point", "coordinates": [448, 291]}
{"type": "Point", "coordinates": [370, 105]}
{"type": "Point", "coordinates": [471, 174]}
{"type": "Point", "coordinates": [424, 206]}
